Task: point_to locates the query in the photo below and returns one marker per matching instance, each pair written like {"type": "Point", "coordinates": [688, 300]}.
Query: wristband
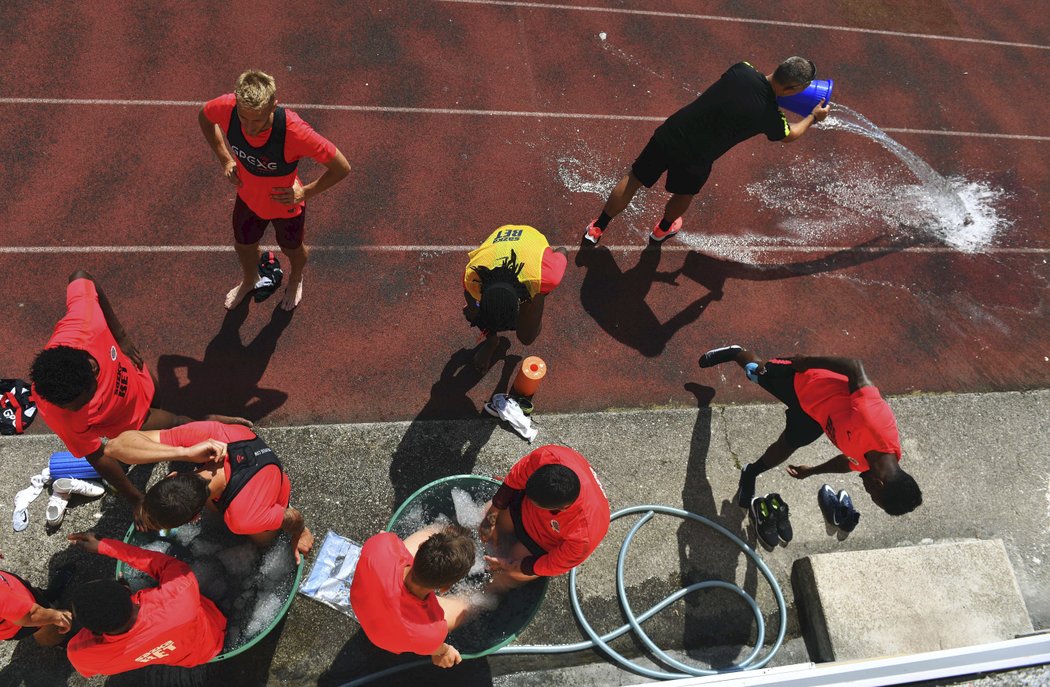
{"type": "Point", "coordinates": [751, 370]}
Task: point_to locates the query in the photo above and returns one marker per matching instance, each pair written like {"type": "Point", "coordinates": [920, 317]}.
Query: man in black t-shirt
{"type": "Point", "coordinates": [741, 104]}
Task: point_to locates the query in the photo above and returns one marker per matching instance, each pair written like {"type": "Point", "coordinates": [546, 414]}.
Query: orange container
{"type": "Point", "coordinates": [531, 372]}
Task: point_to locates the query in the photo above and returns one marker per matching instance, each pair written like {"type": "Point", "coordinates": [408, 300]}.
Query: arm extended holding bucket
{"type": "Point", "coordinates": [135, 447]}
{"type": "Point", "coordinates": [796, 129]}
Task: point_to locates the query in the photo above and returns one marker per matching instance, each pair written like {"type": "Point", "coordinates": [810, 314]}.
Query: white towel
{"type": "Point", "coordinates": [20, 517]}
{"type": "Point", "coordinates": [506, 408]}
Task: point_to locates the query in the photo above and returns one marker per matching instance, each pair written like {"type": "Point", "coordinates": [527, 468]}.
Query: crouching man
{"type": "Point", "coordinates": [548, 516]}
{"type": "Point", "coordinates": [171, 624]}
{"type": "Point", "coordinates": [394, 592]}
{"type": "Point", "coordinates": [240, 477]}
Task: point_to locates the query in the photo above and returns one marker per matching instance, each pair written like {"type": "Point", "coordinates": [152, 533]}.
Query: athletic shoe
{"type": "Point", "coordinates": [717, 356]}
{"type": "Point", "coordinates": [56, 508]}
{"type": "Point", "coordinates": [746, 489]}
{"type": "Point", "coordinates": [659, 235]}
{"type": "Point", "coordinates": [848, 514]}
{"type": "Point", "coordinates": [829, 505]}
{"type": "Point", "coordinates": [763, 521]}
{"type": "Point", "coordinates": [593, 233]}
{"type": "Point", "coordinates": [779, 508]}
{"type": "Point", "coordinates": [72, 485]}
{"type": "Point", "coordinates": [270, 276]}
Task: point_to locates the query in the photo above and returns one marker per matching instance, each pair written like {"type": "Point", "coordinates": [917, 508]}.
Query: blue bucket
{"type": "Point", "coordinates": [804, 102]}
{"type": "Point", "coordinates": [65, 464]}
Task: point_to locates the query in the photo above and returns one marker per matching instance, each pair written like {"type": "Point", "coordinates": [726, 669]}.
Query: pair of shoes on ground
{"type": "Point", "coordinates": [61, 490]}
{"type": "Point", "coordinates": [270, 277]}
{"type": "Point", "coordinates": [769, 516]}
{"type": "Point", "coordinates": [593, 232]}
{"type": "Point", "coordinates": [838, 509]}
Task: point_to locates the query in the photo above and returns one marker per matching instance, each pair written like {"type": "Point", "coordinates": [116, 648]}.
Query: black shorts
{"type": "Point", "coordinates": [248, 227]}
{"type": "Point", "coordinates": [519, 527]}
{"type": "Point", "coordinates": [779, 380]}
{"type": "Point", "coordinates": [683, 177]}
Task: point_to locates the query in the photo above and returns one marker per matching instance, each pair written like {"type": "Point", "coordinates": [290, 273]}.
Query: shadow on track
{"type": "Point", "coordinates": [616, 299]}
{"type": "Point", "coordinates": [449, 431]}
{"type": "Point", "coordinates": [226, 380]}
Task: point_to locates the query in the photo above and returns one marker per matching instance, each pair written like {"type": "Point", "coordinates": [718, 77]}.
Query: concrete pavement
{"type": "Point", "coordinates": [979, 458]}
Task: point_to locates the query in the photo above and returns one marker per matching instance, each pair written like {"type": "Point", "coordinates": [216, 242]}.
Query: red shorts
{"type": "Point", "coordinates": [248, 227]}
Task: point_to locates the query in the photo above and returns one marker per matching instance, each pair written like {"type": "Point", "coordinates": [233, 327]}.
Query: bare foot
{"type": "Point", "coordinates": [229, 420]}
{"type": "Point", "coordinates": [483, 355]}
{"type": "Point", "coordinates": [292, 295]}
{"type": "Point", "coordinates": [238, 293]}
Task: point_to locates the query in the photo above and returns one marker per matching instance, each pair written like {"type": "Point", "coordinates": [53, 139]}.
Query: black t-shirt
{"type": "Point", "coordinates": [738, 106]}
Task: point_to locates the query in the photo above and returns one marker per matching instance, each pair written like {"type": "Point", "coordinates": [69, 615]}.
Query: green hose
{"type": "Point", "coordinates": [634, 623]}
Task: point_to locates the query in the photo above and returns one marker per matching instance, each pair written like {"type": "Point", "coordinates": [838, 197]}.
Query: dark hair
{"type": "Point", "coordinates": [501, 295]}
{"type": "Point", "coordinates": [444, 558]}
{"type": "Point", "coordinates": [176, 500]}
{"type": "Point", "coordinates": [553, 486]}
{"type": "Point", "coordinates": [795, 71]}
{"type": "Point", "coordinates": [102, 606]}
{"type": "Point", "coordinates": [901, 494]}
{"type": "Point", "coordinates": [61, 374]}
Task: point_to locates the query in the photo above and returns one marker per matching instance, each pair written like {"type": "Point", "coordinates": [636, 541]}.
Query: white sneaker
{"type": "Point", "coordinates": [72, 485]}
{"type": "Point", "coordinates": [56, 508]}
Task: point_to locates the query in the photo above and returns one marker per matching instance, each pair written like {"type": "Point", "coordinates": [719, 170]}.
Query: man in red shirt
{"type": "Point", "coordinates": [26, 610]}
{"type": "Point", "coordinates": [830, 396]}
{"type": "Point", "coordinates": [170, 624]}
{"type": "Point", "coordinates": [241, 477]}
{"type": "Point", "coordinates": [266, 143]}
{"type": "Point", "coordinates": [90, 382]}
{"type": "Point", "coordinates": [393, 593]}
{"type": "Point", "coordinates": [547, 517]}
{"type": "Point", "coordinates": [506, 284]}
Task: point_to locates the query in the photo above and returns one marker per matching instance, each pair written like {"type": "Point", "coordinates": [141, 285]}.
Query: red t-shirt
{"type": "Point", "coordinates": [392, 617]}
{"type": "Point", "coordinates": [300, 141]}
{"type": "Point", "coordinates": [571, 535]}
{"type": "Point", "coordinates": [856, 423]}
{"type": "Point", "coordinates": [176, 626]}
{"type": "Point", "coordinates": [124, 393]}
{"type": "Point", "coordinates": [15, 601]}
{"type": "Point", "coordinates": [260, 505]}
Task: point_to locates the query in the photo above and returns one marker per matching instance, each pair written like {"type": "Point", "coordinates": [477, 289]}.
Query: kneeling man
{"type": "Point", "coordinates": [240, 477]}
{"type": "Point", "coordinates": [548, 516]}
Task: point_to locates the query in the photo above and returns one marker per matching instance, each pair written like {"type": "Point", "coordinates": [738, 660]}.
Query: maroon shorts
{"type": "Point", "coordinates": [248, 227]}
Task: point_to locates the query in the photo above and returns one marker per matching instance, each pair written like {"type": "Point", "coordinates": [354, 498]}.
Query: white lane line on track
{"type": "Point", "coordinates": [713, 246]}
{"type": "Point", "coordinates": [744, 20]}
{"type": "Point", "coordinates": [462, 112]}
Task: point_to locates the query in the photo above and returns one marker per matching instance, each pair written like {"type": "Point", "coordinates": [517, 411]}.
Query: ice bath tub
{"type": "Point", "coordinates": [264, 581]}
{"type": "Point", "coordinates": [448, 498]}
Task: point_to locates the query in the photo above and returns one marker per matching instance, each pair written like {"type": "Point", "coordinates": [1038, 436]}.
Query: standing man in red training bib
{"type": "Point", "coordinates": [548, 516]}
{"type": "Point", "coordinates": [90, 383]}
{"type": "Point", "coordinates": [170, 624]}
{"type": "Point", "coordinates": [266, 143]}
{"type": "Point", "coordinates": [831, 396]}
{"type": "Point", "coordinates": [241, 478]}
{"type": "Point", "coordinates": [393, 592]}
{"type": "Point", "coordinates": [741, 104]}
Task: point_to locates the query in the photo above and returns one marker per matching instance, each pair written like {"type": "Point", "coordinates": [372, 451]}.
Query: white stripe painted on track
{"type": "Point", "coordinates": [712, 246]}
{"type": "Point", "coordinates": [745, 20]}
{"type": "Point", "coordinates": [462, 112]}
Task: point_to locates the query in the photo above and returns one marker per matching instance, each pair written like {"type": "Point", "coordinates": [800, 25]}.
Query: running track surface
{"type": "Point", "coordinates": [458, 117]}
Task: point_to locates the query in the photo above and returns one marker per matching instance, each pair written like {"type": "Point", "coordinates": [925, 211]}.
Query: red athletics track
{"type": "Point", "coordinates": [381, 319]}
